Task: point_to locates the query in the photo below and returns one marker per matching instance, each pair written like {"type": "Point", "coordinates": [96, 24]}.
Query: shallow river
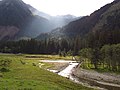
{"type": "Point", "coordinates": [67, 72]}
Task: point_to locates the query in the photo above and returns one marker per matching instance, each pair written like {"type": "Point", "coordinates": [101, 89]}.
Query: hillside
{"type": "Point", "coordinates": [24, 21]}
{"type": "Point", "coordinates": [16, 20]}
{"type": "Point", "coordinates": [107, 30]}
{"type": "Point", "coordinates": [95, 22]}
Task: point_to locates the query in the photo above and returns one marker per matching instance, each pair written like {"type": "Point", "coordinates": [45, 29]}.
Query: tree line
{"type": "Point", "coordinates": [102, 48]}
{"type": "Point", "coordinates": [107, 57]}
{"type": "Point", "coordinates": [33, 46]}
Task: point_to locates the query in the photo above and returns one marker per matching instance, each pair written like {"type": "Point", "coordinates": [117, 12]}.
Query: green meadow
{"type": "Point", "coordinates": [23, 73]}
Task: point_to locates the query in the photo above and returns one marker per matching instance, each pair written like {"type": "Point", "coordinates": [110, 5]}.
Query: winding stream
{"type": "Point", "coordinates": [68, 73]}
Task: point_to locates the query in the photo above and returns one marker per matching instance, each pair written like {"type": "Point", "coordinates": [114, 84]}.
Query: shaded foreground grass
{"type": "Point", "coordinates": [23, 75]}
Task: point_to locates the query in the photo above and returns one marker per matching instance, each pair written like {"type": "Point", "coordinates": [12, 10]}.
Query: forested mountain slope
{"type": "Point", "coordinates": [17, 21]}
{"type": "Point", "coordinates": [107, 18]}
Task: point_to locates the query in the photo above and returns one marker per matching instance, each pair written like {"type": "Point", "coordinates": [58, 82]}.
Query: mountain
{"type": "Point", "coordinates": [56, 21]}
{"type": "Point", "coordinates": [62, 20]}
{"type": "Point", "coordinates": [13, 12]}
{"type": "Point", "coordinates": [39, 13]}
{"type": "Point", "coordinates": [105, 19]}
{"type": "Point", "coordinates": [12, 17]}
{"type": "Point", "coordinates": [17, 21]}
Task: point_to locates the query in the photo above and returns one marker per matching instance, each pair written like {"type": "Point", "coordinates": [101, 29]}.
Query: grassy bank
{"type": "Point", "coordinates": [47, 57]}
{"type": "Point", "coordinates": [102, 68]}
{"type": "Point", "coordinates": [24, 74]}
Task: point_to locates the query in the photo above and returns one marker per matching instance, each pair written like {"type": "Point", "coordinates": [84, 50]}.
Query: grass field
{"type": "Point", "coordinates": [24, 74]}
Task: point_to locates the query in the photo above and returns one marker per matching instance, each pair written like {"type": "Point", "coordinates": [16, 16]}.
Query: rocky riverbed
{"type": "Point", "coordinates": [104, 80]}
{"type": "Point", "coordinates": [89, 78]}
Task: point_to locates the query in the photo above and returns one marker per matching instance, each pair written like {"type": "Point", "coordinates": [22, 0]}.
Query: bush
{"type": "Point", "coordinates": [4, 64]}
{"type": "Point", "coordinates": [34, 64]}
{"type": "Point", "coordinates": [22, 62]}
{"type": "Point", "coordinates": [1, 75]}
{"type": "Point", "coordinates": [4, 70]}
{"type": "Point", "coordinates": [70, 53]}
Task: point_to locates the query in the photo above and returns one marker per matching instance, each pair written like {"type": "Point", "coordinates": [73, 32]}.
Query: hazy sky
{"type": "Point", "coordinates": [62, 7]}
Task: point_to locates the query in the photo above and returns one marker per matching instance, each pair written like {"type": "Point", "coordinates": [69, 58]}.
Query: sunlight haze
{"type": "Point", "coordinates": [62, 7]}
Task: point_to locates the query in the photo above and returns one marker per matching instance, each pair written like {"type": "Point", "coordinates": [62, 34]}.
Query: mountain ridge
{"type": "Point", "coordinates": [21, 16]}
{"type": "Point", "coordinates": [85, 25]}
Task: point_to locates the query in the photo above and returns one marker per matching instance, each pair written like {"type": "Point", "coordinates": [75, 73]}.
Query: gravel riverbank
{"type": "Point", "coordinates": [104, 80]}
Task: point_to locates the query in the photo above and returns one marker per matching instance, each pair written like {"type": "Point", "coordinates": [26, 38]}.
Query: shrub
{"type": "Point", "coordinates": [4, 64]}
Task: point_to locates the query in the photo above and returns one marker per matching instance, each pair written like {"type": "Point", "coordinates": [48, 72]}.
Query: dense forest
{"type": "Point", "coordinates": [98, 49]}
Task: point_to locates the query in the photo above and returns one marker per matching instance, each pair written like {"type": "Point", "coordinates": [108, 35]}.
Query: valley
{"type": "Point", "coordinates": [35, 71]}
{"type": "Point", "coordinates": [39, 51]}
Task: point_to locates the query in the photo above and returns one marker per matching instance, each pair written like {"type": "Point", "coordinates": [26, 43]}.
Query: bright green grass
{"type": "Point", "coordinates": [48, 57]}
{"type": "Point", "coordinates": [29, 77]}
